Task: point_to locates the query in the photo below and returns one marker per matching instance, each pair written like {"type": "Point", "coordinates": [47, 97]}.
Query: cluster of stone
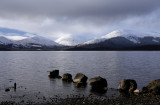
{"type": "Point", "coordinates": [99, 84]}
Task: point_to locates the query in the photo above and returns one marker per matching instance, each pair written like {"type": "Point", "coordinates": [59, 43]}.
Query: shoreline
{"type": "Point", "coordinates": [141, 99]}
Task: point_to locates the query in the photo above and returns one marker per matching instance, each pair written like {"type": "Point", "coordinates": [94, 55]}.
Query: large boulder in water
{"type": "Point", "coordinates": [127, 85]}
{"type": "Point", "coordinates": [54, 74]}
{"type": "Point", "coordinates": [152, 87]}
{"type": "Point", "coordinates": [80, 78]}
{"type": "Point", "coordinates": [67, 77]}
{"type": "Point", "coordinates": [98, 84]}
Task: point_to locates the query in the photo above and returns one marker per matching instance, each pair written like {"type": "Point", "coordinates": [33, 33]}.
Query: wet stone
{"type": "Point", "coordinates": [98, 84]}
{"type": "Point", "coordinates": [67, 77]}
{"type": "Point", "coordinates": [80, 78]}
{"type": "Point", "coordinates": [127, 85]}
{"type": "Point", "coordinates": [7, 90]}
{"type": "Point", "coordinates": [54, 74]}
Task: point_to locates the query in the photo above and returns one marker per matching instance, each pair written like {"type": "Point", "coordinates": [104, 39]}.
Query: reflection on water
{"type": "Point", "coordinates": [29, 70]}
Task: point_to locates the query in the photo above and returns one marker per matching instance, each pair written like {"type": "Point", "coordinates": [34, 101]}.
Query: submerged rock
{"type": "Point", "coordinates": [127, 85]}
{"type": "Point", "coordinates": [67, 77]}
{"type": "Point", "coordinates": [152, 87]}
{"type": "Point", "coordinates": [7, 90]}
{"type": "Point", "coordinates": [98, 84]}
{"type": "Point", "coordinates": [54, 74]}
{"type": "Point", "coordinates": [80, 78]}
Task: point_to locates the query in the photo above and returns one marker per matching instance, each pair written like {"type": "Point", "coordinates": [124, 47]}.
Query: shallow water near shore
{"type": "Point", "coordinates": [29, 70]}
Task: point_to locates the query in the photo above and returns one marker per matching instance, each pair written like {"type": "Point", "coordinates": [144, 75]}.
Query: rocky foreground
{"type": "Point", "coordinates": [141, 99]}
{"type": "Point", "coordinates": [129, 95]}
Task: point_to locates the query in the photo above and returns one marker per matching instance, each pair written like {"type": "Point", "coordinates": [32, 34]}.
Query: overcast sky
{"type": "Point", "coordinates": [85, 19]}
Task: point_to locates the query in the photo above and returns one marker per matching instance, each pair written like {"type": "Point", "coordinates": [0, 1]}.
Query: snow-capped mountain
{"type": "Point", "coordinates": [37, 40]}
{"type": "Point", "coordinates": [122, 40]}
{"type": "Point", "coordinates": [133, 36]}
{"type": "Point", "coordinates": [68, 41]}
{"type": "Point", "coordinates": [115, 40]}
{"type": "Point", "coordinates": [24, 40]}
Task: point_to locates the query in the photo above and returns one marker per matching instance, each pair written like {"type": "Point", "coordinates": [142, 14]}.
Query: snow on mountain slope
{"type": "Point", "coordinates": [8, 36]}
{"type": "Point", "coordinates": [26, 40]}
{"type": "Point", "coordinates": [69, 41]}
{"type": "Point", "coordinates": [5, 41]}
{"type": "Point", "coordinates": [21, 38]}
{"type": "Point", "coordinates": [128, 34]}
{"type": "Point", "coordinates": [15, 38]}
{"type": "Point", "coordinates": [37, 40]}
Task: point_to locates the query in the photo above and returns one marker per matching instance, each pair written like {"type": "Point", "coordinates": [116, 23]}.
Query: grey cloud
{"type": "Point", "coordinates": [104, 9]}
{"type": "Point", "coordinates": [78, 17]}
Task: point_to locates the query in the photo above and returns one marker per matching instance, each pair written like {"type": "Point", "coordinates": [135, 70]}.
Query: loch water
{"type": "Point", "coordinates": [29, 70]}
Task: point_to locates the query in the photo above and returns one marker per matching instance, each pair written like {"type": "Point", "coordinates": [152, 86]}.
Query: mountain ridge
{"type": "Point", "coordinates": [115, 40]}
{"type": "Point", "coordinates": [121, 40]}
{"type": "Point", "coordinates": [129, 34]}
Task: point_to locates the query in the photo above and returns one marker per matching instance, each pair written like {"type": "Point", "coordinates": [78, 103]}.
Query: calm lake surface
{"type": "Point", "coordinates": [29, 70]}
